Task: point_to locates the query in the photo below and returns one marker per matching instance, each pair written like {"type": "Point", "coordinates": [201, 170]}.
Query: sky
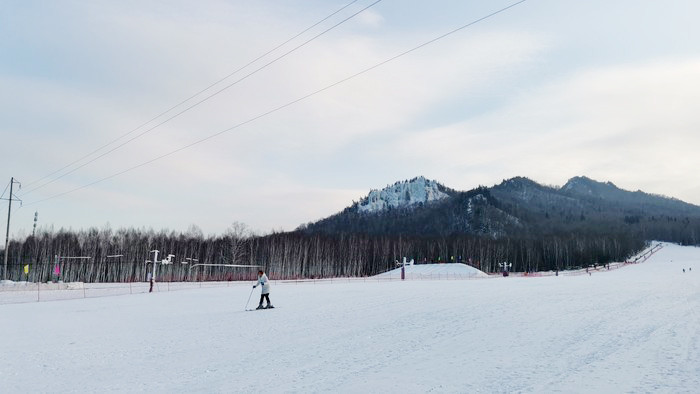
{"type": "Point", "coordinates": [547, 89]}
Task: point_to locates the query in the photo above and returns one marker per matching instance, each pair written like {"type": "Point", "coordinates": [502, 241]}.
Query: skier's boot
{"type": "Point", "coordinates": [260, 306]}
{"type": "Point", "coordinates": [269, 306]}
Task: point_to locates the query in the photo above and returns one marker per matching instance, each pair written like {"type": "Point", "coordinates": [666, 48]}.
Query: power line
{"type": "Point", "coordinates": [3, 192]}
{"type": "Point", "coordinates": [4, 201]}
{"type": "Point", "coordinates": [276, 109]}
{"type": "Point", "coordinates": [194, 95]}
{"type": "Point", "coordinates": [12, 194]}
{"type": "Point", "coordinates": [196, 104]}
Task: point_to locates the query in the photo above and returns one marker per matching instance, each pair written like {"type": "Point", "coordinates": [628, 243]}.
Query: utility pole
{"type": "Point", "coordinates": [7, 232]}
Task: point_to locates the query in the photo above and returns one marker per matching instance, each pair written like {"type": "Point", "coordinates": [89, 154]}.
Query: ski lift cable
{"type": "Point", "coordinates": [197, 103]}
{"type": "Point", "coordinates": [225, 265]}
{"type": "Point", "coordinates": [281, 107]}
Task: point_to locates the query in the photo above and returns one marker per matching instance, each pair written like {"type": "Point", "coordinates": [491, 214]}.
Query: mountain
{"type": "Point", "coordinates": [588, 189]}
{"type": "Point", "coordinates": [516, 207]}
{"type": "Point", "coordinates": [405, 194]}
{"type": "Point", "coordinates": [419, 207]}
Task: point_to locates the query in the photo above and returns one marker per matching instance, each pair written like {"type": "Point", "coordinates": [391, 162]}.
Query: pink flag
{"type": "Point", "coordinates": [57, 270]}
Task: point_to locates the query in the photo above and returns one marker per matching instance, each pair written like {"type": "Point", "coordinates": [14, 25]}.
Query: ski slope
{"type": "Point", "coordinates": [635, 329]}
{"type": "Point", "coordinates": [435, 271]}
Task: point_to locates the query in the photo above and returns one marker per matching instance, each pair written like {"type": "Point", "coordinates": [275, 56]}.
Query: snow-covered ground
{"type": "Point", "coordinates": [635, 329]}
{"type": "Point", "coordinates": [19, 292]}
{"type": "Point", "coordinates": [435, 271]}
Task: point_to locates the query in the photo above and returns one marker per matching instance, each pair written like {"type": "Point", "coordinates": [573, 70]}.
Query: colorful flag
{"type": "Point", "coordinates": [26, 269]}
{"type": "Point", "coordinates": [57, 270]}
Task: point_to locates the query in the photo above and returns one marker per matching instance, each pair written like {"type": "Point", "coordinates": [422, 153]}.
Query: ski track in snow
{"type": "Point", "coordinates": [630, 330]}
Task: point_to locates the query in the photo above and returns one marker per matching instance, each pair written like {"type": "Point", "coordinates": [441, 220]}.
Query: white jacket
{"type": "Point", "coordinates": [265, 283]}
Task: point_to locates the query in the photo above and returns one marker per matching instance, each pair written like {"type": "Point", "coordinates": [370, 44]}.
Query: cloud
{"type": "Point", "coordinates": [484, 104]}
{"type": "Point", "coordinates": [371, 18]}
{"type": "Point", "coordinates": [137, 61]}
{"type": "Point", "coordinates": [635, 125]}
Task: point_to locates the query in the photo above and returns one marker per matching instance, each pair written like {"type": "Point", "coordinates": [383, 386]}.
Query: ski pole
{"type": "Point", "coordinates": [251, 294]}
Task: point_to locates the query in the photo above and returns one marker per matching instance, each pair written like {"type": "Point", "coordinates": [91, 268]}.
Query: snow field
{"type": "Point", "coordinates": [21, 292]}
{"type": "Point", "coordinates": [630, 330]}
{"type": "Point", "coordinates": [435, 271]}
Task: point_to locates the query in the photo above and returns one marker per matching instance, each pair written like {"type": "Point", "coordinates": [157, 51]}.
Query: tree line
{"type": "Point", "coordinates": [121, 255]}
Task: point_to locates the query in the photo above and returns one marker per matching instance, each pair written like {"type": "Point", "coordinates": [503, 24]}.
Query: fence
{"type": "Point", "coordinates": [124, 272]}
{"type": "Point", "coordinates": [637, 259]}
{"type": "Point", "coordinates": [389, 278]}
{"type": "Point", "coordinates": [22, 292]}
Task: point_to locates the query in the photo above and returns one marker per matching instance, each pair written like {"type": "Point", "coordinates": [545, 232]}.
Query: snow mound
{"type": "Point", "coordinates": [402, 194]}
{"type": "Point", "coordinates": [427, 271]}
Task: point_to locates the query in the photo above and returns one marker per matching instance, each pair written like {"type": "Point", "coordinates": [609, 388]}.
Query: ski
{"type": "Point", "coordinates": [261, 309]}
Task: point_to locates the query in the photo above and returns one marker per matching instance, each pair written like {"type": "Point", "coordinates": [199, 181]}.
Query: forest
{"type": "Point", "coordinates": [107, 255]}
{"type": "Point", "coordinates": [531, 226]}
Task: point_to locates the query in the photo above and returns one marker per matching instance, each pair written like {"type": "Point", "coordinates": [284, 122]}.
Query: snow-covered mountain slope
{"type": "Point", "coordinates": [403, 194]}
{"type": "Point", "coordinates": [633, 329]}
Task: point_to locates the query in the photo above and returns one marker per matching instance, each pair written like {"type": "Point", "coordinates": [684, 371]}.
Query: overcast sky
{"type": "Point", "coordinates": [549, 89]}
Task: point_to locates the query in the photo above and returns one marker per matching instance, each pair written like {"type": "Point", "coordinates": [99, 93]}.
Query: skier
{"type": "Point", "coordinates": [265, 294]}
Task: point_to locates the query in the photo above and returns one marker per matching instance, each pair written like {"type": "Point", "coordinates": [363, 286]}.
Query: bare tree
{"type": "Point", "coordinates": [238, 236]}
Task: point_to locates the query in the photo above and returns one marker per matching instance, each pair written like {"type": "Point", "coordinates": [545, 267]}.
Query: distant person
{"type": "Point", "coordinates": [683, 270]}
{"type": "Point", "coordinates": [265, 293]}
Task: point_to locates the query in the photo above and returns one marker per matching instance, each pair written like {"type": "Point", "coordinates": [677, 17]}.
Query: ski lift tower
{"type": "Point", "coordinates": [153, 272]}
{"type": "Point", "coordinates": [403, 267]}
{"type": "Point", "coordinates": [166, 261]}
{"type": "Point", "coordinates": [504, 267]}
